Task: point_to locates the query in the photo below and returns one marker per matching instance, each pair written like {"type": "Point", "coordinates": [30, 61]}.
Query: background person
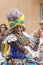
{"type": "Point", "coordinates": [38, 34]}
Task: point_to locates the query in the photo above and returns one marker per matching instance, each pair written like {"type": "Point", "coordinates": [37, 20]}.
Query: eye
{"type": "Point", "coordinates": [20, 26]}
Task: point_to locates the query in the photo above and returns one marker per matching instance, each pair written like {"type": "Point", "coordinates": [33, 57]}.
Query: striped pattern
{"type": "Point", "coordinates": [20, 20]}
{"type": "Point", "coordinates": [16, 15]}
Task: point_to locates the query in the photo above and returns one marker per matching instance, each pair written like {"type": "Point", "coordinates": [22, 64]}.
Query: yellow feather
{"type": "Point", "coordinates": [6, 48]}
{"type": "Point", "coordinates": [21, 18]}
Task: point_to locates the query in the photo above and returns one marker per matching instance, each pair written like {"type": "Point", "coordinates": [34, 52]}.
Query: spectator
{"type": "Point", "coordinates": [3, 29]}
{"type": "Point", "coordinates": [0, 36]}
{"type": "Point", "coordinates": [37, 35]}
{"type": "Point", "coordinates": [0, 40]}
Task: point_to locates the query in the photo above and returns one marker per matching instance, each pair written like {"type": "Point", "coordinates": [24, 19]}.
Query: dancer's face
{"type": "Point", "coordinates": [19, 29]}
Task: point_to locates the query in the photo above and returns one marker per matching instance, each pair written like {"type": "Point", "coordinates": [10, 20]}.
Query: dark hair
{"type": "Point", "coordinates": [17, 27]}
{"type": "Point", "coordinates": [3, 25]}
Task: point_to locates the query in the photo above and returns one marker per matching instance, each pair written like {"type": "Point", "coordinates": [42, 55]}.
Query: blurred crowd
{"type": "Point", "coordinates": [16, 43]}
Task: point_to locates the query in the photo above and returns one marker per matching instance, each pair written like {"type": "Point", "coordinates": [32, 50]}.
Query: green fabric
{"type": "Point", "coordinates": [15, 22]}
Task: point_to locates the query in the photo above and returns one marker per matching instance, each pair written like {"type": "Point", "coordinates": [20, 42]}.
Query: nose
{"type": "Point", "coordinates": [19, 29]}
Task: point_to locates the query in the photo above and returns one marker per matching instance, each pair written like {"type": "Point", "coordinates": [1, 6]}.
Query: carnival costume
{"type": "Point", "coordinates": [14, 43]}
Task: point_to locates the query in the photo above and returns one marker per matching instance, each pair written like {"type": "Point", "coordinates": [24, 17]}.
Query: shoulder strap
{"type": "Point", "coordinates": [22, 40]}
